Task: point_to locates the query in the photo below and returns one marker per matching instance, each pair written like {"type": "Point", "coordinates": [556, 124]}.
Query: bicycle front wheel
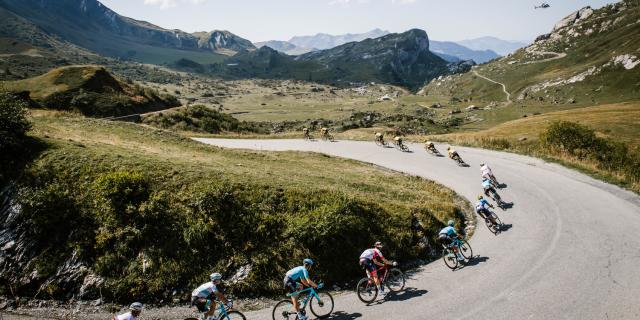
{"type": "Point", "coordinates": [366, 290]}
{"type": "Point", "coordinates": [284, 311]}
{"type": "Point", "coordinates": [395, 280]}
{"type": "Point", "coordinates": [232, 315]}
{"type": "Point", "coordinates": [465, 250]}
{"type": "Point", "coordinates": [322, 306]}
{"type": "Point", "coordinates": [450, 259]}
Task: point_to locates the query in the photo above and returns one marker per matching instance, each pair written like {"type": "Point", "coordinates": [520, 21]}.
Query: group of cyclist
{"type": "Point", "coordinates": [324, 133]}
{"type": "Point", "coordinates": [204, 297]}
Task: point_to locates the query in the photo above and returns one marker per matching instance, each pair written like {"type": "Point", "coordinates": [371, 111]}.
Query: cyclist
{"type": "Point", "coordinates": [305, 130]}
{"type": "Point", "coordinates": [483, 211]}
{"type": "Point", "coordinates": [398, 140]}
{"type": "Point", "coordinates": [453, 154]}
{"type": "Point", "coordinates": [207, 292]}
{"type": "Point", "coordinates": [371, 258]}
{"type": "Point", "coordinates": [379, 137]}
{"type": "Point", "coordinates": [324, 131]}
{"type": "Point", "coordinates": [488, 189]}
{"type": "Point", "coordinates": [430, 146]}
{"type": "Point", "coordinates": [291, 283]}
{"type": "Point", "coordinates": [446, 236]}
{"type": "Point", "coordinates": [134, 312]}
{"type": "Point", "coordinates": [487, 173]}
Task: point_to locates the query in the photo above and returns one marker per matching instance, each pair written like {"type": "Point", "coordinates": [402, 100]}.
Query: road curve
{"type": "Point", "coordinates": [504, 88]}
{"type": "Point", "coordinates": [572, 251]}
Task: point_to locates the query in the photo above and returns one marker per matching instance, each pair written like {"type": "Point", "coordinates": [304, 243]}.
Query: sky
{"type": "Point", "coordinates": [261, 20]}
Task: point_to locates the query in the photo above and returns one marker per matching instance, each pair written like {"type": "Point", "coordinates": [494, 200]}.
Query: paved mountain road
{"type": "Point", "coordinates": [572, 251]}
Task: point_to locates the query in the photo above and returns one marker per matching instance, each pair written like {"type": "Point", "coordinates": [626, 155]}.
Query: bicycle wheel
{"type": "Point", "coordinates": [378, 143]}
{"type": "Point", "coordinates": [232, 315]}
{"type": "Point", "coordinates": [449, 258]}
{"type": "Point", "coordinates": [367, 290]}
{"type": "Point", "coordinates": [331, 138]}
{"type": "Point", "coordinates": [497, 227]}
{"type": "Point", "coordinates": [284, 310]}
{"type": "Point", "coordinates": [323, 307]}
{"type": "Point", "coordinates": [395, 280]}
{"type": "Point", "coordinates": [404, 148]}
{"type": "Point", "coordinates": [465, 250]}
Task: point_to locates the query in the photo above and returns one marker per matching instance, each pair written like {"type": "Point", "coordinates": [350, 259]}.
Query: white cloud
{"type": "Point", "coordinates": [402, 1]}
{"type": "Point", "coordinates": [166, 4]}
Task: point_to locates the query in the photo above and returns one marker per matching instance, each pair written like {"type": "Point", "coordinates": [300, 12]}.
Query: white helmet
{"type": "Point", "coordinates": [136, 306]}
{"type": "Point", "coordinates": [215, 276]}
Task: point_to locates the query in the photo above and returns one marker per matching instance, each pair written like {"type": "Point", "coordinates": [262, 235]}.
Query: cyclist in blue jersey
{"type": "Point", "coordinates": [295, 280]}
{"type": "Point", "coordinates": [483, 211]}
{"type": "Point", "coordinates": [446, 236]}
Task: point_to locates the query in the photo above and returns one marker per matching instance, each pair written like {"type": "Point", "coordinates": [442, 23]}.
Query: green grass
{"type": "Point", "coordinates": [135, 190]}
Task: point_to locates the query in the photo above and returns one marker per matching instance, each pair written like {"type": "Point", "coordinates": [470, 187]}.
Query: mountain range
{"type": "Point", "coordinates": [484, 49]}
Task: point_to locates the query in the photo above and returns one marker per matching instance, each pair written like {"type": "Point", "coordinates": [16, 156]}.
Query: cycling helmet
{"type": "Point", "coordinates": [450, 223]}
{"type": "Point", "coordinates": [215, 276]}
{"type": "Point", "coordinates": [479, 197]}
{"type": "Point", "coordinates": [307, 261]}
{"type": "Point", "coordinates": [378, 245]}
{"type": "Point", "coordinates": [136, 306]}
{"type": "Point", "coordinates": [482, 164]}
{"type": "Point", "coordinates": [448, 148]}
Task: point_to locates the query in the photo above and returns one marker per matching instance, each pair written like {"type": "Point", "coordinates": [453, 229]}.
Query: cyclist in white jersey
{"type": "Point", "coordinates": [208, 292]}
{"type": "Point", "coordinates": [134, 312]}
{"type": "Point", "coordinates": [371, 258]}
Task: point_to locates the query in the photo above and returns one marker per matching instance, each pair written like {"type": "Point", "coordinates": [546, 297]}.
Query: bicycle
{"type": "Point", "coordinates": [458, 160]}
{"type": "Point", "coordinates": [393, 278]}
{"type": "Point", "coordinates": [380, 142]}
{"type": "Point", "coordinates": [449, 256]}
{"type": "Point", "coordinates": [322, 307]}
{"type": "Point", "coordinates": [400, 146]}
{"type": "Point", "coordinates": [328, 137]}
{"type": "Point", "coordinates": [433, 151]}
{"type": "Point", "coordinates": [308, 136]}
{"type": "Point", "coordinates": [224, 313]}
{"type": "Point", "coordinates": [493, 194]}
{"type": "Point", "coordinates": [496, 227]}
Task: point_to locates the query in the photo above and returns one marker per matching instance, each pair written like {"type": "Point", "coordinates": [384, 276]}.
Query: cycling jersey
{"type": "Point", "coordinates": [481, 204]}
{"type": "Point", "coordinates": [298, 273]}
{"type": "Point", "coordinates": [371, 254]}
{"type": "Point", "coordinates": [450, 231]}
{"type": "Point", "coordinates": [486, 170]}
{"type": "Point", "coordinates": [486, 183]}
{"type": "Point", "coordinates": [205, 290]}
{"type": "Point", "coordinates": [126, 316]}
{"type": "Point", "coordinates": [378, 134]}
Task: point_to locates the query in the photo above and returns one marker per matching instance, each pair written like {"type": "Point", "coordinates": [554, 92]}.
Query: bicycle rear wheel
{"type": "Point", "coordinates": [284, 310]}
{"type": "Point", "coordinates": [395, 280]}
{"type": "Point", "coordinates": [449, 258]}
{"type": "Point", "coordinates": [367, 290]}
{"type": "Point", "coordinates": [378, 142]}
{"type": "Point", "coordinates": [465, 250]}
{"type": "Point", "coordinates": [232, 315]}
{"type": "Point", "coordinates": [323, 307]}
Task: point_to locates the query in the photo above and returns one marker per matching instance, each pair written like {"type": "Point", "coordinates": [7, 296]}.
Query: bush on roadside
{"type": "Point", "coordinates": [13, 129]}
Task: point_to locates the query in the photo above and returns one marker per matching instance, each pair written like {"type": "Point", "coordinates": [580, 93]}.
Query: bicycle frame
{"type": "Point", "coordinates": [309, 293]}
{"type": "Point", "coordinates": [221, 308]}
{"type": "Point", "coordinates": [381, 276]}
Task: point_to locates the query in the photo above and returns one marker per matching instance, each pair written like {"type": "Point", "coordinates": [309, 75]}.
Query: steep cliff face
{"type": "Point", "coordinates": [402, 59]}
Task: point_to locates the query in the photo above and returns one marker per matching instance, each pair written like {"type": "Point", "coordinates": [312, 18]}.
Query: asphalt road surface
{"type": "Point", "coordinates": [571, 251]}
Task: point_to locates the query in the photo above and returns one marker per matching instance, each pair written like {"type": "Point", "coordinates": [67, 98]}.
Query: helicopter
{"type": "Point", "coordinates": [544, 5]}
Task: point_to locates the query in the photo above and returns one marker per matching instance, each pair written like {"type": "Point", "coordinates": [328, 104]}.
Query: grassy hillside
{"type": "Point", "coordinates": [111, 195]}
{"type": "Point", "coordinates": [608, 138]}
{"type": "Point", "coordinates": [91, 90]}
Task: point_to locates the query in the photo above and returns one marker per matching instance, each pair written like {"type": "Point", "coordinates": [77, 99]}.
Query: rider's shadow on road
{"type": "Point", "coordinates": [506, 206]}
{"type": "Point", "coordinates": [406, 294]}
{"type": "Point", "coordinates": [502, 185]}
{"type": "Point", "coordinates": [505, 227]}
{"type": "Point", "coordinates": [341, 315]}
{"type": "Point", "coordinates": [475, 261]}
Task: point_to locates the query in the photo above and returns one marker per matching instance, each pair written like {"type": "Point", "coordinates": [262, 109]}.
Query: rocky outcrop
{"type": "Point", "coordinates": [222, 42]}
{"type": "Point", "coordinates": [573, 18]}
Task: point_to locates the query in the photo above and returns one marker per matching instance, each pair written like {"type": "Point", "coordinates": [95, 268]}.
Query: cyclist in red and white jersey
{"type": "Point", "coordinates": [370, 259]}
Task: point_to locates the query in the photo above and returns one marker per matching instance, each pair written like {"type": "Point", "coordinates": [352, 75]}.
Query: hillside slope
{"type": "Point", "coordinates": [590, 57]}
{"type": "Point", "coordinates": [92, 91]}
{"type": "Point", "coordinates": [91, 25]}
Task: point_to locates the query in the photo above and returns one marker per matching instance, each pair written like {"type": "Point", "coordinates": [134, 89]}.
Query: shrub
{"type": "Point", "coordinates": [570, 137]}
{"type": "Point", "coordinates": [13, 128]}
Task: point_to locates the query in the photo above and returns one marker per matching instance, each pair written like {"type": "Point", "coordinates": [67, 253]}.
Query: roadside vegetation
{"type": "Point", "coordinates": [140, 207]}
{"type": "Point", "coordinates": [602, 141]}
